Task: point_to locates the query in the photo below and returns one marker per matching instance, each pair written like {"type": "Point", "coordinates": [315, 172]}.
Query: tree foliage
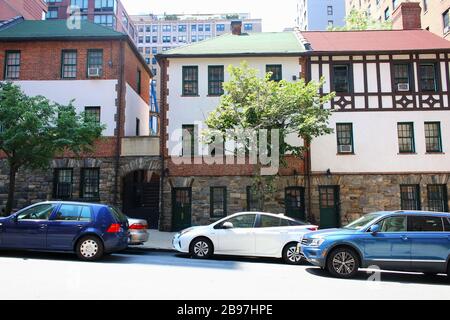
{"type": "Point", "coordinates": [360, 20]}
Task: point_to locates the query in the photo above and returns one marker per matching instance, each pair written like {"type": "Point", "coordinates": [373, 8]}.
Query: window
{"type": "Point", "coordinates": [243, 221]}
{"type": "Point", "coordinates": [154, 39]}
{"type": "Point", "coordinates": [406, 137]}
{"type": "Point", "coordinates": [395, 4]}
{"type": "Point", "coordinates": [71, 212]}
{"type": "Point", "coordinates": [52, 13]}
{"type": "Point", "coordinates": [182, 28]}
{"type": "Point", "coordinates": [446, 224]}
{"type": "Point", "coordinates": [341, 78]}
{"type": "Point", "coordinates": [425, 5]}
{"type": "Point", "coordinates": [147, 29]}
{"type": "Point", "coordinates": [90, 183]}
{"type": "Point", "coordinates": [154, 50]}
{"type": "Point", "coordinates": [410, 197]}
{"type": "Point", "coordinates": [437, 197]}
{"type": "Point", "coordinates": [344, 133]}
{"type": "Point", "coordinates": [182, 39]}
{"type": "Point", "coordinates": [207, 28]}
{"type": "Point", "coordinates": [12, 65]}
{"type": "Point", "coordinates": [154, 28]}
{"type": "Point", "coordinates": [95, 59]}
{"type": "Point", "coordinates": [220, 27]}
{"type": "Point", "coordinates": [166, 39]}
{"type": "Point", "coordinates": [147, 39]}
{"type": "Point", "coordinates": [147, 50]}
{"type": "Point", "coordinates": [270, 222]}
{"type": "Point", "coordinates": [433, 137]}
{"type": "Point", "coordinates": [330, 23]}
{"type": "Point", "coordinates": [445, 17]}
{"type": "Point", "coordinates": [425, 224]}
{"type": "Point", "coordinates": [428, 77]}
{"type": "Point", "coordinates": [189, 145]}
{"type": "Point", "coordinates": [190, 81]}
{"type": "Point", "coordinates": [154, 61]}
{"type": "Point", "coordinates": [194, 38]}
{"type": "Point", "coordinates": [402, 75]}
{"type": "Point", "coordinates": [139, 81]}
{"type": "Point", "coordinates": [105, 20]}
{"type": "Point", "coordinates": [69, 64]}
{"type": "Point", "coordinates": [218, 202]}
{"type": "Point", "coordinates": [215, 80]}
{"type": "Point", "coordinates": [248, 27]}
{"type": "Point", "coordinates": [105, 5]}
{"type": "Point", "coordinates": [92, 113]}
{"type": "Point", "coordinates": [330, 10]}
{"type": "Point", "coordinates": [194, 27]}
{"type": "Point", "coordinates": [62, 184]}
{"type": "Point", "coordinates": [200, 27]}
{"type": "Point", "coordinates": [276, 70]}
{"type": "Point", "coordinates": [253, 199]}
{"type": "Point", "coordinates": [39, 212]}
{"type": "Point", "coordinates": [140, 39]}
{"type": "Point", "coordinates": [387, 14]}
{"type": "Point", "coordinates": [166, 28]}
{"type": "Point", "coordinates": [394, 224]}
{"type": "Point", "coordinates": [138, 127]}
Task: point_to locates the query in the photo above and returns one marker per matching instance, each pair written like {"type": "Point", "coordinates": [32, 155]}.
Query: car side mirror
{"type": "Point", "coordinates": [227, 225]}
{"type": "Point", "coordinates": [374, 229]}
{"type": "Point", "coordinates": [15, 218]}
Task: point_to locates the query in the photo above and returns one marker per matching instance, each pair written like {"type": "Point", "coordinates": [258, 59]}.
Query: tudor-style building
{"type": "Point", "coordinates": [103, 73]}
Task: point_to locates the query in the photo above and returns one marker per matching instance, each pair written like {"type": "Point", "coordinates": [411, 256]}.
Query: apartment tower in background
{"type": "Point", "coordinates": [318, 15]}
{"type": "Point", "coordinates": [29, 9]}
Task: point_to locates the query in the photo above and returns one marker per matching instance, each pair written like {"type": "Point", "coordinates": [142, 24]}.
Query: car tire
{"type": "Point", "coordinates": [90, 248]}
{"type": "Point", "coordinates": [201, 248]}
{"type": "Point", "coordinates": [290, 255]}
{"type": "Point", "coordinates": [343, 263]}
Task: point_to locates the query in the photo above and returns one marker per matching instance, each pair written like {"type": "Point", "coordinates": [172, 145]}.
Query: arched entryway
{"type": "Point", "coordinates": [140, 196]}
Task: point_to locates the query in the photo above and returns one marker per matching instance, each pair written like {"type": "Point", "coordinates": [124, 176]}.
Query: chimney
{"type": "Point", "coordinates": [407, 16]}
{"type": "Point", "coordinates": [236, 27]}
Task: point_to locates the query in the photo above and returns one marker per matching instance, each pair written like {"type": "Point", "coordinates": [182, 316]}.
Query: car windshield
{"type": "Point", "coordinates": [361, 222]}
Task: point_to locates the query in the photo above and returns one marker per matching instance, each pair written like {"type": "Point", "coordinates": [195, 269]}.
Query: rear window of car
{"type": "Point", "coordinates": [118, 215]}
{"type": "Point", "coordinates": [425, 224]}
{"type": "Point", "coordinates": [446, 224]}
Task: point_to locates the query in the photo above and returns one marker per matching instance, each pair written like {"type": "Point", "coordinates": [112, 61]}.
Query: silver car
{"type": "Point", "coordinates": [138, 231]}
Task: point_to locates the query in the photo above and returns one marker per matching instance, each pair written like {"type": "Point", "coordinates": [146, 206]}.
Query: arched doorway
{"type": "Point", "coordinates": [141, 196]}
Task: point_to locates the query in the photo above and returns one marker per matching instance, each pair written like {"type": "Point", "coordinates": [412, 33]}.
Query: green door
{"type": "Point", "coordinates": [294, 200]}
{"type": "Point", "coordinates": [181, 208]}
{"type": "Point", "coordinates": [329, 207]}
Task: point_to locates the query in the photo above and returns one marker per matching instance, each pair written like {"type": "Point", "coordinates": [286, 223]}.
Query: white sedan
{"type": "Point", "coordinates": [245, 234]}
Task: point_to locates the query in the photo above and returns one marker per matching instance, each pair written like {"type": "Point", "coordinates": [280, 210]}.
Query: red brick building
{"type": "Point", "coordinates": [29, 9]}
{"type": "Point", "coordinates": [102, 71]}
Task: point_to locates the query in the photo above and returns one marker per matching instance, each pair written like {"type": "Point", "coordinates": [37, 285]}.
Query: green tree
{"type": "Point", "coordinates": [34, 130]}
{"type": "Point", "coordinates": [360, 20]}
{"type": "Point", "coordinates": [251, 102]}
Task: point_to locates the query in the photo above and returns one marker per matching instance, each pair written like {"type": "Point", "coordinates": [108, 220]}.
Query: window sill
{"type": "Point", "coordinates": [345, 154]}
{"type": "Point", "coordinates": [214, 95]}
{"type": "Point", "coordinates": [406, 153]}
{"type": "Point", "coordinates": [436, 153]}
{"type": "Point", "coordinates": [190, 96]}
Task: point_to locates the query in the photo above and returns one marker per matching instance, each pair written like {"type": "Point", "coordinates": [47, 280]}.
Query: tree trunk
{"type": "Point", "coordinates": [12, 187]}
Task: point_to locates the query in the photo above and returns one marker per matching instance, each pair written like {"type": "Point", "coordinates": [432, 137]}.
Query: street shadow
{"type": "Point", "coordinates": [389, 276]}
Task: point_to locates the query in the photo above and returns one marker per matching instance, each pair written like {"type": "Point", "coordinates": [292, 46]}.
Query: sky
{"type": "Point", "coordinates": [276, 15]}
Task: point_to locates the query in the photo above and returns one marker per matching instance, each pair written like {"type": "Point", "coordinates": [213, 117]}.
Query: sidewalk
{"type": "Point", "coordinates": [159, 240]}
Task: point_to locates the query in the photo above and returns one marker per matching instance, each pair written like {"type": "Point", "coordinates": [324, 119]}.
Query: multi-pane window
{"type": "Point", "coordinates": [69, 64]}
{"type": "Point", "coordinates": [428, 77]}
{"type": "Point", "coordinates": [182, 28]}
{"type": "Point", "coordinates": [166, 28]}
{"type": "Point", "coordinates": [402, 78]}
{"type": "Point", "coordinates": [387, 13]}
{"type": "Point", "coordinates": [395, 4]}
{"type": "Point", "coordinates": [106, 20]}
{"type": "Point", "coordinates": [276, 70]}
{"type": "Point", "coordinates": [437, 197]}
{"type": "Point", "coordinates": [90, 183]}
{"type": "Point", "coordinates": [12, 65]}
{"type": "Point", "coordinates": [248, 26]}
{"type": "Point", "coordinates": [92, 113]}
{"type": "Point", "coordinates": [166, 39]}
{"type": "Point", "coordinates": [62, 184]}
{"type": "Point", "coordinates": [433, 138]}
{"type": "Point", "coordinates": [406, 137]}
{"type": "Point", "coordinates": [79, 4]}
{"type": "Point", "coordinates": [446, 18]}
{"type": "Point", "coordinates": [189, 145]}
{"type": "Point", "coordinates": [425, 5]}
{"type": "Point", "coordinates": [95, 60]}
{"type": "Point", "coordinates": [52, 13]}
{"type": "Point", "coordinates": [344, 133]}
{"type": "Point", "coordinates": [330, 10]}
{"type": "Point", "coordinates": [410, 197]}
{"type": "Point", "coordinates": [215, 80]}
{"type": "Point", "coordinates": [218, 202]}
{"type": "Point", "coordinates": [220, 27]}
{"type": "Point", "coordinates": [105, 5]}
{"type": "Point", "coordinates": [190, 81]}
{"type": "Point", "coordinates": [341, 78]}
{"type": "Point", "coordinates": [253, 199]}
{"type": "Point", "coordinates": [200, 27]}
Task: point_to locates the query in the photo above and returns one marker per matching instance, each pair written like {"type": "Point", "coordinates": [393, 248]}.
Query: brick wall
{"type": "Point", "coordinates": [29, 9]}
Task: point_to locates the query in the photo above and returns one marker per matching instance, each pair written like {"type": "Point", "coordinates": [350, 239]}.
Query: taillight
{"type": "Point", "coordinates": [315, 228]}
{"type": "Point", "coordinates": [138, 226]}
{"type": "Point", "coordinates": [114, 228]}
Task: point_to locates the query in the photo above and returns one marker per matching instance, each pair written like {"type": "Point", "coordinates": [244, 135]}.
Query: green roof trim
{"type": "Point", "coordinates": [261, 43]}
{"type": "Point", "coordinates": [56, 29]}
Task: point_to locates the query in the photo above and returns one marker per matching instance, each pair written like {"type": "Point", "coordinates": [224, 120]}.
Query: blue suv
{"type": "Point", "coordinates": [396, 240]}
{"type": "Point", "coordinates": [90, 230]}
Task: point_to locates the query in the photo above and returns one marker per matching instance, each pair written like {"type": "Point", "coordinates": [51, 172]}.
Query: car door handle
{"type": "Point", "coordinates": [405, 238]}
{"type": "Point", "coordinates": [44, 226]}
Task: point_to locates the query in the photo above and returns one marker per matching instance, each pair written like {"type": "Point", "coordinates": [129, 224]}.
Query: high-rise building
{"type": "Point", "coordinates": [434, 15]}
{"type": "Point", "coordinates": [29, 9]}
{"type": "Point", "coordinates": [109, 13]}
{"type": "Point", "coordinates": [318, 15]}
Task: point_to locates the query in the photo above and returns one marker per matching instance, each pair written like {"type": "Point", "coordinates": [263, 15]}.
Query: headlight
{"type": "Point", "coordinates": [186, 231]}
{"type": "Point", "coordinates": [316, 242]}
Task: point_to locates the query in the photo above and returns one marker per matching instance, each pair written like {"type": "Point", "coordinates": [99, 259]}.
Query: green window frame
{"type": "Point", "coordinates": [95, 59]}
{"type": "Point", "coordinates": [216, 76]}
{"type": "Point", "coordinates": [218, 208]}
{"type": "Point", "coordinates": [428, 77]}
{"type": "Point", "coordinates": [93, 113]}
{"type": "Point", "coordinates": [402, 74]}
{"type": "Point", "coordinates": [410, 197]}
{"type": "Point", "coordinates": [342, 78]}
{"type": "Point", "coordinates": [90, 183]}
{"type": "Point", "coordinates": [433, 137]}
{"type": "Point", "coordinates": [437, 197]}
{"type": "Point", "coordinates": [276, 70]}
{"type": "Point", "coordinates": [69, 64]}
{"type": "Point", "coordinates": [12, 65]}
{"type": "Point", "coordinates": [344, 135]}
{"type": "Point", "coordinates": [406, 142]}
{"type": "Point", "coordinates": [190, 81]}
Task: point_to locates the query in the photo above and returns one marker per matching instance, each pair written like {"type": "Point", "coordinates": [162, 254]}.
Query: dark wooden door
{"type": "Point", "coordinates": [181, 208]}
{"type": "Point", "coordinates": [294, 200]}
{"type": "Point", "coordinates": [329, 207]}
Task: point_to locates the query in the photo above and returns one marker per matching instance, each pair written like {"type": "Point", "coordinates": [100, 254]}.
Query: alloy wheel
{"type": "Point", "coordinates": [344, 263]}
{"type": "Point", "coordinates": [292, 254]}
{"type": "Point", "coordinates": [201, 249]}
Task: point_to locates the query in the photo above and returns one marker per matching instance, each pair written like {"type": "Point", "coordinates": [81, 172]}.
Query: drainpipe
{"type": "Point", "coordinates": [308, 173]}
{"type": "Point", "coordinates": [162, 110]}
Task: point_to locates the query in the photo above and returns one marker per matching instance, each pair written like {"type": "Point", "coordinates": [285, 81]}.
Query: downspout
{"type": "Point", "coordinates": [120, 99]}
{"type": "Point", "coordinates": [308, 174]}
{"type": "Point", "coordinates": [162, 110]}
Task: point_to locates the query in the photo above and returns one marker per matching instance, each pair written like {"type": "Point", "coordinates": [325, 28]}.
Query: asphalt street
{"type": "Point", "coordinates": [142, 274]}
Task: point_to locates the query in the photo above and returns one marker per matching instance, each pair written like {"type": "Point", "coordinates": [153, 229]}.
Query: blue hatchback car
{"type": "Point", "coordinates": [90, 230]}
{"type": "Point", "coordinates": [396, 240]}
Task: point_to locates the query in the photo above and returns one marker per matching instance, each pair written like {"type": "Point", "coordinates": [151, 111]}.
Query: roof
{"type": "Point", "coordinates": [55, 30]}
{"type": "Point", "coordinates": [374, 40]}
{"type": "Point", "coordinates": [254, 44]}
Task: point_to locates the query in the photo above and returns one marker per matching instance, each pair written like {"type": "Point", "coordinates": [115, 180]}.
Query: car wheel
{"type": "Point", "coordinates": [201, 248]}
{"type": "Point", "coordinates": [90, 248]}
{"type": "Point", "coordinates": [290, 255]}
{"type": "Point", "coordinates": [343, 263]}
